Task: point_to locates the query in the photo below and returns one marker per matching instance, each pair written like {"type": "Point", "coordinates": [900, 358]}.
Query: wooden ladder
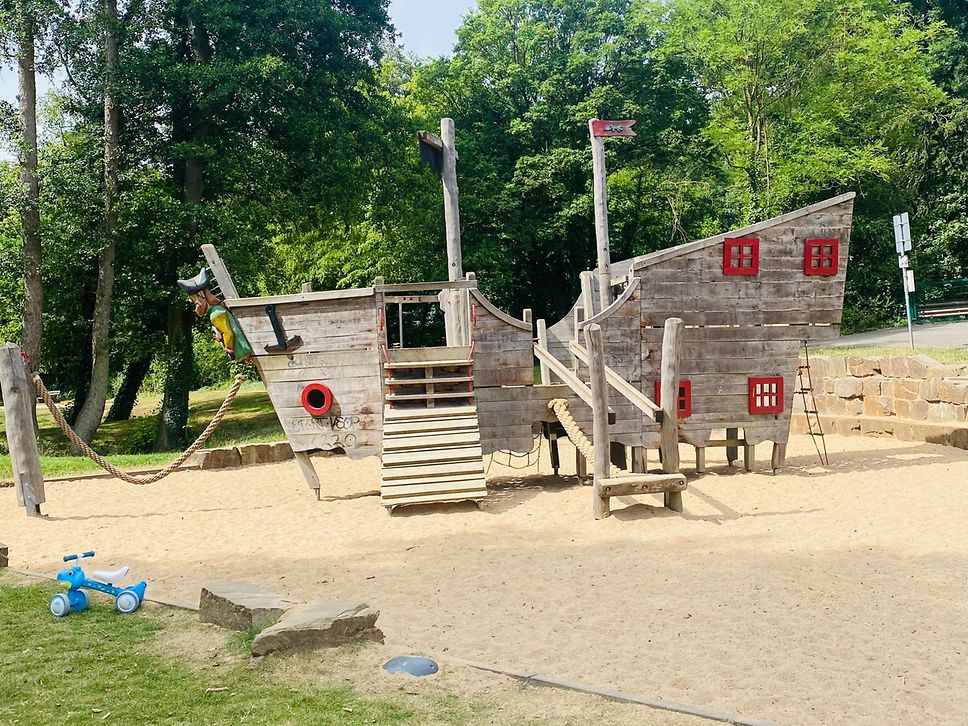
{"type": "Point", "coordinates": [431, 435]}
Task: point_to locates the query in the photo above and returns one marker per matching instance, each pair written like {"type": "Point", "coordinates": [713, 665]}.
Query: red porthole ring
{"type": "Point", "coordinates": [317, 399]}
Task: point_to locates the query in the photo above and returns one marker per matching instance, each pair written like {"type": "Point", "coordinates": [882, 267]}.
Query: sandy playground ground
{"type": "Point", "coordinates": [819, 596]}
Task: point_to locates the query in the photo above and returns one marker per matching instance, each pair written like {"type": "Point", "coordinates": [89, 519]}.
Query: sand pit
{"type": "Point", "coordinates": [814, 597]}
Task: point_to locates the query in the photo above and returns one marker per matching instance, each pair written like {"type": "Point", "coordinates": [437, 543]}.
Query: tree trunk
{"type": "Point", "coordinates": [89, 417]}
{"type": "Point", "coordinates": [179, 375]}
{"type": "Point", "coordinates": [173, 420]}
{"type": "Point", "coordinates": [127, 395]}
{"type": "Point", "coordinates": [32, 337]}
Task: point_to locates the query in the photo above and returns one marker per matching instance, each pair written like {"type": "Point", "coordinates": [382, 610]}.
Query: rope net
{"type": "Point", "coordinates": [90, 453]}
{"type": "Point", "coordinates": [563, 413]}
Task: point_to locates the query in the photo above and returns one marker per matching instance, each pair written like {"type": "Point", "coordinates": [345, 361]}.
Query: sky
{"type": "Point", "coordinates": [426, 27]}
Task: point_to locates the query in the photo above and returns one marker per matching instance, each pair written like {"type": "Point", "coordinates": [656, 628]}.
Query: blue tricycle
{"type": "Point", "coordinates": [126, 599]}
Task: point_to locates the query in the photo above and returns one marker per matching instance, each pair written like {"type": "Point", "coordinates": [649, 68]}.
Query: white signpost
{"type": "Point", "coordinates": [902, 242]}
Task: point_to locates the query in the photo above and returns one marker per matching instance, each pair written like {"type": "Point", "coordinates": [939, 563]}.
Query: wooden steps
{"type": "Point", "coordinates": [431, 436]}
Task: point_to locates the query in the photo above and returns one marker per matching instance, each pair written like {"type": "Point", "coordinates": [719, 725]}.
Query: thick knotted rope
{"type": "Point", "coordinates": [80, 445]}
{"type": "Point", "coordinates": [575, 434]}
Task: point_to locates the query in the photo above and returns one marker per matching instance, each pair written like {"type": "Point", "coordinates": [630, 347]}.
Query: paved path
{"type": "Point", "coordinates": [941, 335]}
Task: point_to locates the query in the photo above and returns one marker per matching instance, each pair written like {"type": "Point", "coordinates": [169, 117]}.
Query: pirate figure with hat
{"type": "Point", "coordinates": [225, 329]}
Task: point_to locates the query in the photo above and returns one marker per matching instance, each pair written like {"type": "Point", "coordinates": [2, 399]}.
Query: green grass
{"type": "Point", "coordinates": [250, 420]}
{"type": "Point", "coordinates": [102, 667]}
{"type": "Point", "coordinates": [942, 355]}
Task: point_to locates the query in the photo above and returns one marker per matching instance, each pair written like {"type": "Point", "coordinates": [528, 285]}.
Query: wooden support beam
{"type": "Point", "coordinates": [587, 296]}
{"type": "Point", "coordinates": [308, 470]}
{"type": "Point", "coordinates": [749, 456]}
{"type": "Point", "coordinates": [600, 438]}
{"type": "Point", "coordinates": [570, 379]}
{"type": "Point", "coordinates": [732, 452]}
{"type": "Point", "coordinates": [222, 276]}
{"type": "Point", "coordinates": [306, 287]}
{"type": "Point", "coordinates": [19, 401]}
{"type": "Point", "coordinates": [621, 386]}
{"type": "Point", "coordinates": [543, 343]}
{"type": "Point", "coordinates": [640, 459]}
{"type": "Point", "coordinates": [779, 456]}
{"type": "Point", "coordinates": [669, 387]}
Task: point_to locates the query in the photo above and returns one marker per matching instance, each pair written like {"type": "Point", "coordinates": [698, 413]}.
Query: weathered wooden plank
{"type": "Point", "coordinates": [221, 272]}
{"type": "Point", "coordinates": [244, 304]}
{"type": "Point", "coordinates": [439, 498]}
{"type": "Point", "coordinates": [433, 470]}
{"type": "Point", "coordinates": [633, 484]}
{"type": "Point", "coordinates": [430, 456]}
{"type": "Point", "coordinates": [472, 486]}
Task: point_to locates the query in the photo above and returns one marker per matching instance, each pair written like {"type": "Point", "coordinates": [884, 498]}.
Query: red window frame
{"type": "Point", "coordinates": [684, 403]}
{"type": "Point", "coordinates": [821, 256]}
{"type": "Point", "coordinates": [739, 251]}
{"type": "Point", "coordinates": [766, 394]}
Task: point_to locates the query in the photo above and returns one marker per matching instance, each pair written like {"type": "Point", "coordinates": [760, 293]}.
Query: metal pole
{"type": "Point", "coordinates": [400, 321]}
{"type": "Point", "coordinates": [907, 305]}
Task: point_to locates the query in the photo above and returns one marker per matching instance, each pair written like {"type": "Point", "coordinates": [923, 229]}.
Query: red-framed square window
{"type": "Point", "coordinates": [684, 404]}
{"type": "Point", "coordinates": [766, 394]}
{"type": "Point", "coordinates": [821, 256]}
{"type": "Point", "coordinates": [741, 256]}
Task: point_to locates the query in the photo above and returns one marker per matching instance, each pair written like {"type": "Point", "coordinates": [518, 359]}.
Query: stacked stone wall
{"type": "Point", "coordinates": [910, 397]}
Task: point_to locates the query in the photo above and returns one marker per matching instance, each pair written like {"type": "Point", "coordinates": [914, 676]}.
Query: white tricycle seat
{"type": "Point", "coordinates": [110, 576]}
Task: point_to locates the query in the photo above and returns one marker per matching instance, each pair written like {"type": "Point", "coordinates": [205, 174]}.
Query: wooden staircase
{"type": "Point", "coordinates": [431, 438]}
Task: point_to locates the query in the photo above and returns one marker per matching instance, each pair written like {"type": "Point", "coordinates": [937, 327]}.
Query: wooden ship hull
{"type": "Point", "coordinates": [433, 413]}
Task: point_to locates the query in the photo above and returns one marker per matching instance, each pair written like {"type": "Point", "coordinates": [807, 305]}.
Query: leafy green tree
{"type": "Point", "coordinates": [525, 77]}
{"type": "Point", "coordinates": [807, 96]}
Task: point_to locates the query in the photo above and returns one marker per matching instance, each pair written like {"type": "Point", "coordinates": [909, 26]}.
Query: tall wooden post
{"type": "Point", "coordinates": [669, 392]}
{"type": "Point", "coordinates": [455, 264]}
{"type": "Point", "coordinates": [19, 401]}
{"type": "Point", "coordinates": [543, 343]}
{"type": "Point", "coordinates": [600, 438]}
{"type": "Point", "coordinates": [601, 218]}
{"type": "Point", "coordinates": [587, 294]}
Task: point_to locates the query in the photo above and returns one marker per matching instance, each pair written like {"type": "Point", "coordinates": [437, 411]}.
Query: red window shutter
{"type": "Point", "coordinates": [684, 407]}
{"type": "Point", "coordinates": [821, 256]}
{"type": "Point", "coordinates": [741, 256]}
{"type": "Point", "coordinates": [766, 394]}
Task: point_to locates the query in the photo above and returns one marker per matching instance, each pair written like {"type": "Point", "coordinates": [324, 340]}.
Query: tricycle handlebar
{"type": "Point", "coordinates": [68, 558]}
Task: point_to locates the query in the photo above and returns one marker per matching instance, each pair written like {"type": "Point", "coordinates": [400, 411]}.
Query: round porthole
{"type": "Point", "coordinates": [317, 399]}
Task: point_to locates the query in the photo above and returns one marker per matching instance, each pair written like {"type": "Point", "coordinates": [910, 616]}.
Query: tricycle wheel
{"type": "Point", "coordinates": [60, 605]}
{"type": "Point", "coordinates": [127, 602]}
{"type": "Point", "coordinates": [78, 600]}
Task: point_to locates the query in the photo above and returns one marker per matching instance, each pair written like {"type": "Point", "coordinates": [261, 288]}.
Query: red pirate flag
{"type": "Point", "coordinates": [613, 128]}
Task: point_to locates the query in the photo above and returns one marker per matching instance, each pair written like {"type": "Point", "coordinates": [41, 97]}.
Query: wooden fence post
{"type": "Point", "coordinates": [19, 401]}
{"type": "Point", "coordinates": [600, 437]}
{"type": "Point", "coordinates": [669, 388]}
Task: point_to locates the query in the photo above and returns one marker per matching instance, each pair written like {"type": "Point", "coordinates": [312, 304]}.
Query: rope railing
{"type": "Point", "coordinates": [563, 413]}
{"type": "Point", "coordinates": [80, 445]}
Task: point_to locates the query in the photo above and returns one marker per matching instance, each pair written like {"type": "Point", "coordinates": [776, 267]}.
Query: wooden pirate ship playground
{"type": "Point", "coordinates": [696, 344]}
{"type": "Point", "coordinates": [747, 300]}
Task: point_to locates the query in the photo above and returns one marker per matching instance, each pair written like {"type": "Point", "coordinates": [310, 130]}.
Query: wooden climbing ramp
{"type": "Point", "coordinates": [431, 435]}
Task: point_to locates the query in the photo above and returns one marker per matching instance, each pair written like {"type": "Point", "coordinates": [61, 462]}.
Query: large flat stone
{"type": "Point", "coordinates": [318, 625]}
{"type": "Point", "coordinates": [241, 605]}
